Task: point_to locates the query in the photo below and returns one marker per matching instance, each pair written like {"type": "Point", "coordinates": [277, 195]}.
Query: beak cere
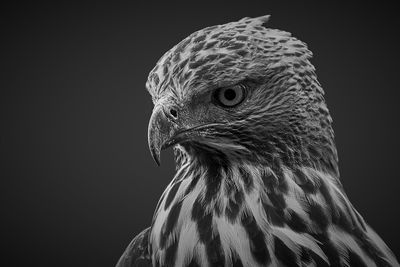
{"type": "Point", "coordinates": [161, 130]}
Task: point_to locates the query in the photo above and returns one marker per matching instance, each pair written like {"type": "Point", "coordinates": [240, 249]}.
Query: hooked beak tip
{"type": "Point", "coordinates": [161, 133]}
{"type": "Point", "coordinates": [155, 153]}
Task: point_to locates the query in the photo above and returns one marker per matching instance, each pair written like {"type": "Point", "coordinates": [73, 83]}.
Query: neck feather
{"type": "Point", "coordinates": [210, 206]}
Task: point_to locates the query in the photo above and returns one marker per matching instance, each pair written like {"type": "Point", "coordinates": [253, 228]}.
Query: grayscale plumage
{"type": "Point", "coordinates": [257, 181]}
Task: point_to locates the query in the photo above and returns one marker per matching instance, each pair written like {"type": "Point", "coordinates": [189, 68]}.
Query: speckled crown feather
{"type": "Point", "coordinates": [215, 54]}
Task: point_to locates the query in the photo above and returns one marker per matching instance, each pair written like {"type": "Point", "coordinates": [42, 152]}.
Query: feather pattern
{"type": "Point", "coordinates": [257, 184]}
{"type": "Point", "coordinates": [243, 225]}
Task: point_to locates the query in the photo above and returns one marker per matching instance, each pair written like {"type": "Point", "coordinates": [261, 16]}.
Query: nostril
{"type": "Point", "coordinates": [173, 112]}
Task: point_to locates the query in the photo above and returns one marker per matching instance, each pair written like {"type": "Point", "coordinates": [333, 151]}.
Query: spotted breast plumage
{"type": "Point", "coordinates": [257, 181]}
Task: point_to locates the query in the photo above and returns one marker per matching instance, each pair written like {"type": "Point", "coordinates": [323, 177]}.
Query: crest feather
{"type": "Point", "coordinates": [258, 21]}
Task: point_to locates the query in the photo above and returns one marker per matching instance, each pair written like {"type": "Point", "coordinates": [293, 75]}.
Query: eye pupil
{"type": "Point", "coordinates": [230, 94]}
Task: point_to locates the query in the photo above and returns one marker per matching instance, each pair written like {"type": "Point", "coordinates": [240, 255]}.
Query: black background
{"type": "Point", "coordinates": [77, 180]}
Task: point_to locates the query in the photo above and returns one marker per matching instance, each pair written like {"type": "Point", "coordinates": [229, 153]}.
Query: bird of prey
{"type": "Point", "coordinates": [257, 180]}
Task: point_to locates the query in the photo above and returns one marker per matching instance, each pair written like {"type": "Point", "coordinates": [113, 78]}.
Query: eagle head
{"type": "Point", "coordinates": [241, 91]}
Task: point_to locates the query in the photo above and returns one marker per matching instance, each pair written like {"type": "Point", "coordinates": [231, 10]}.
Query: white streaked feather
{"type": "Point", "coordinates": [232, 237]}
{"type": "Point", "coordinates": [344, 242]}
{"type": "Point", "coordinates": [200, 252]}
{"type": "Point", "coordinates": [295, 241]}
{"type": "Point", "coordinates": [390, 258]}
{"type": "Point", "coordinates": [187, 244]}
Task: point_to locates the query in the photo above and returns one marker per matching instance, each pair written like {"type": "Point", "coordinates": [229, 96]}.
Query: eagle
{"type": "Point", "coordinates": [257, 178]}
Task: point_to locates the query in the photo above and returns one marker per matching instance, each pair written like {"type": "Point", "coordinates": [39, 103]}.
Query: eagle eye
{"type": "Point", "coordinates": [230, 96]}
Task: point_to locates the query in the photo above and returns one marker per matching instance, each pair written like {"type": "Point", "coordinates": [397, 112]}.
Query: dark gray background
{"type": "Point", "coordinates": [77, 180]}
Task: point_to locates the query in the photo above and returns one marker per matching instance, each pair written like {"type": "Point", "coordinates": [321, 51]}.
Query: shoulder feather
{"type": "Point", "coordinates": [137, 254]}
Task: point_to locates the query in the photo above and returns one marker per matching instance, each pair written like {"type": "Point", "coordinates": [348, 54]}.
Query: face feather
{"type": "Point", "coordinates": [283, 116]}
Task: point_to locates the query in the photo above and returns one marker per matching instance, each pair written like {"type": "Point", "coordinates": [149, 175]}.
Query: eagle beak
{"type": "Point", "coordinates": [162, 129]}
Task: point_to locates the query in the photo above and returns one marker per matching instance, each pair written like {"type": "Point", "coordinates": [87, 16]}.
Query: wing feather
{"type": "Point", "coordinates": [137, 254]}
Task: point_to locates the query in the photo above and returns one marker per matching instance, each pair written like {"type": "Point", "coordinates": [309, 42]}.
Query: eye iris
{"type": "Point", "coordinates": [230, 94]}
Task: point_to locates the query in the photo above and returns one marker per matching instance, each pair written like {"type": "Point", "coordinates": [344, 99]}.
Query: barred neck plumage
{"type": "Point", "coordinates": [217, 213]}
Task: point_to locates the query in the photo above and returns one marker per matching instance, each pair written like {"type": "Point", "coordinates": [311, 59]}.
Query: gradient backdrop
{"type": "Point", "coordinates": [77, 180]}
